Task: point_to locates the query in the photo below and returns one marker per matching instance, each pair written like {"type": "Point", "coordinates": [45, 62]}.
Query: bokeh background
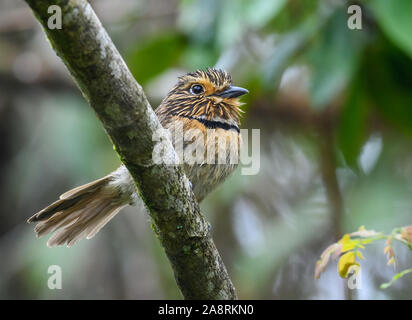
{"type": "Point", "coordinates": [334, 107]}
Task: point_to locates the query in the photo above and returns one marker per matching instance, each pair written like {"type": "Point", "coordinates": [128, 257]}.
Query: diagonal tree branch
{"type": "Point", "coordinates": [121, 106]}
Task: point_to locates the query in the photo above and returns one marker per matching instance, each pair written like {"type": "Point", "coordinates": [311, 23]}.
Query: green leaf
{"type": "Point", "coordinates": [292, 13]}
{"type": "Point", "coordinates": [352, 125]}
{"type": "Point", "coordinates": [394, 16]}
{"type": "Point", "coordinates": [157, 54]}
{"type": "Point", "coordinates": [236, 17]}
{"type": "Point", "coordinates": [334, 58]}
{"type": "Point", "coordinates": [287, 48]}
{"type": "Point", "coordinates": [389, 85]}
{"type": "Point", "coordinates": [199, 56]}
{"type": "Point", "coordinates": [395, 277]}
{"type": "Point", "coordinates": [259, 12]}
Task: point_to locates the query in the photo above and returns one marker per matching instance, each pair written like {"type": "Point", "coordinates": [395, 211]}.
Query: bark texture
{"type": "Point", "coordinates": [121, 105]}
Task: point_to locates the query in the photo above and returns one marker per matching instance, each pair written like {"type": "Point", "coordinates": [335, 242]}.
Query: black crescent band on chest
{"type": "Point", "coordinates": [210, 124]}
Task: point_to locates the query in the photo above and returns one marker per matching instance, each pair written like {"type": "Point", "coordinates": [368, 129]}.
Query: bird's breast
{"type": "Point", "coordinates": [209, 152]}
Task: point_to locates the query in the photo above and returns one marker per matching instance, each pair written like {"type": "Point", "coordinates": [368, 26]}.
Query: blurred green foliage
{"type": "Point", "coordinates": [160, 52]}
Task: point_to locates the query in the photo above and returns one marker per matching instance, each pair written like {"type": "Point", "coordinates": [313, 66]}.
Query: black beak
{"type": "Point", "coordinates": [232, 92]}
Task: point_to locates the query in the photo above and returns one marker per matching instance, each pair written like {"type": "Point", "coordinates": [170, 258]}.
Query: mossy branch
{"type": "Point", "coordinates": [121, 105]}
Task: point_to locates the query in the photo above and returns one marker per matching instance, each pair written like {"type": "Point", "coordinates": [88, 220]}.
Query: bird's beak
{"type": "Point", "coordinates": [232, 92]}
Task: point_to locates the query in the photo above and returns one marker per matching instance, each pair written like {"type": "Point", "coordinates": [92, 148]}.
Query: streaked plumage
{"type": "Point", "coordinates": [204, 100]}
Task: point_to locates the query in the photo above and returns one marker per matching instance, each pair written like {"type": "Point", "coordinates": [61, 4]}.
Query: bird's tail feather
{"type": "Point", "coordinates": [80, 212]}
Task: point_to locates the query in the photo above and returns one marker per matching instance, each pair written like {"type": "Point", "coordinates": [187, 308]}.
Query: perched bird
{"type": "Point", "coordinates": [203, 103]}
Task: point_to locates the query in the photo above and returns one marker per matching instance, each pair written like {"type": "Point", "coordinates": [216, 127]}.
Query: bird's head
{"type": "Point", "coordinates": [206, 94]}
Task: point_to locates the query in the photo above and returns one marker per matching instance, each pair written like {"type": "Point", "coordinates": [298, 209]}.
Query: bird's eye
{"type": "Point", "coordinates": [196, 89]}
